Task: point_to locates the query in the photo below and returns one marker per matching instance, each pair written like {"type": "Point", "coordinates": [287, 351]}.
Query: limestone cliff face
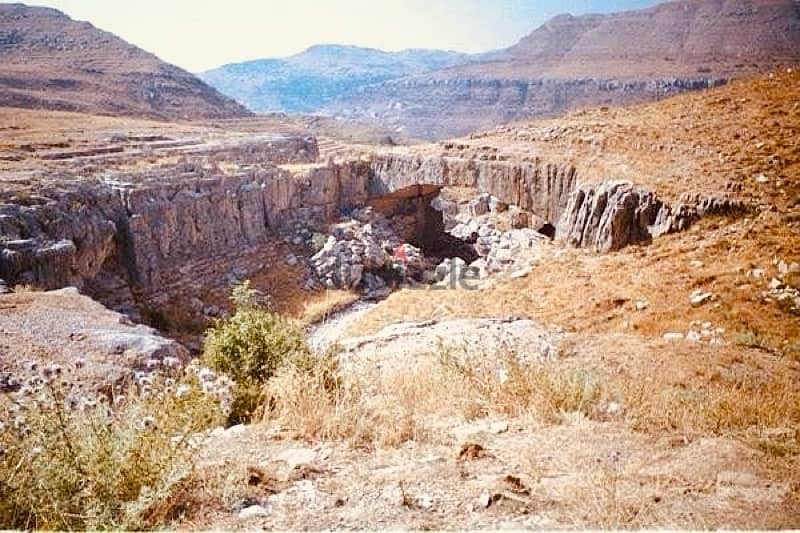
{"type": "Point", "coordinates": [537, 187]}
{"type": "Point", "coordinates": [614, 214]}
{"type": "Point", "coordinates": [156, 235]}
{"type": "Point", "coordinates": [48, 239]}
{"type": "Point", "coordinates": [602, 217]}
{"type": "Point", "coordinates": [144, 238]}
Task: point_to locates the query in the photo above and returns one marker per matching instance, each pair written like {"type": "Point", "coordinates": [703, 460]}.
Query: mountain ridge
{"type": "Point", "coordinates": [574, 61]}
{"type": "Point", "coordinates": [51, 61]}
{"type": "Point", "coordinates": [305, 81]}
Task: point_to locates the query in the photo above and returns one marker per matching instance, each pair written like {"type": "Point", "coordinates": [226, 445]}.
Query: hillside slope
{"type": "Point", "coordinates": [306, 81]}
{"type": "Point", "coordinates": [590, 60]}
{"type": "Point", "coordinates": [50, 61]}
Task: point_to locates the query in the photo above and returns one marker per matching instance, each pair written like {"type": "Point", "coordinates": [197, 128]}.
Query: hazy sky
{"type": "Point", "coordinates": [201, 34]}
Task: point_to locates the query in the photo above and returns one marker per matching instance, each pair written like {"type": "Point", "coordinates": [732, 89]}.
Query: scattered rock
{"type": "Point", "coordinates": [425, 501]}
{"type": "Point", "coordinates": [479, 206]}
{"type": "Point", "coordinates": [297, 457]}
{"type": "Point", "coordinates": [486, 499]}
{"type": "Point", "coordinates": [253, 511]}
{"type": "Point", "coordinates": [775, 284]}
{"type": "Point", "coordinates": [699, 297]}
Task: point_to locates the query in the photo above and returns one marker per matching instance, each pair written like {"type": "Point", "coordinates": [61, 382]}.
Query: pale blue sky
{"type": "Point", "coordinates": [201, 34]}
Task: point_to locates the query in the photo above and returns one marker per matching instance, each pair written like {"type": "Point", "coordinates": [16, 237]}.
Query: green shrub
{"type": "Point", "coordinates": [67, 464]}
{"type": "Point", "coordinates": [249, 347]}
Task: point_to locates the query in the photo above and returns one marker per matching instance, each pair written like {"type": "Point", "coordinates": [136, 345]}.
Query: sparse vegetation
{"type": "Point", "coordinates": [90, 465]}
{"type": "Point", "coordinates": [249, 347]}
{"type": "Point", "coordinates": [507, 386]}
{"type": "Point", "coordinates": [762, 412]}
{"type": "Point", "coordinates": [314, 398]}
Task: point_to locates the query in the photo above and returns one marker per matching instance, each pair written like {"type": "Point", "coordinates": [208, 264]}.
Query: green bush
{"type": "Point", "coordinates": [249, 347]}
{"type": "Point", "coordinates": [84, 464]}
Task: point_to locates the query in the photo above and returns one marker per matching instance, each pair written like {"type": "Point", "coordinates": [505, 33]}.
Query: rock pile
{"type": "Point", "coordinates": [361, 251]}
{"type": "Point", "coordinates": [497, 249]}
{"type": "Point", "coordinates": [780, 289]}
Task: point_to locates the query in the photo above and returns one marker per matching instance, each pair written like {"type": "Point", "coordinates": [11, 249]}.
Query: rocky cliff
{"type": "Point", "coordinates": [148, 232]}
{"type": "Point", "coordinates": [434, 108]}
{"type": "Point", "coordinates": [138, 239]}
{"type": "Point", "coordinates": [604, 216]}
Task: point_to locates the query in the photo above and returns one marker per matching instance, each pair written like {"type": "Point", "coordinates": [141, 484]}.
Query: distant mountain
{"type": "Point", "coordinates": [588, 60]}
{"type": "Point", "coordinates": [307, 81]}
{"type": "Point", "coordinates": [678, 38]}
{"type": "Point", "coordinates": [49, 61]}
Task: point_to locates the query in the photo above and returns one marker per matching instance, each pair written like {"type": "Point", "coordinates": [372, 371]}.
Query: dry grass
{"type": "Point", "coordinates": [321, 305]}
{"type": "Point", "coordinates": [320, 403]}
{"type": "Point", "coordinates": [759, 411]}
{"type": "Point", "coordinates": [387, 407]}
{"type": "Point", "coordinates": [601, 291]}
{"type": "Point", "coordinates": [499, 384]}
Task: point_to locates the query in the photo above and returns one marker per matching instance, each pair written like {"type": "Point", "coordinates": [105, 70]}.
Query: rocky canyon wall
{"type": "Point", "coordinates": [138, 239]}
{"type": "Point", "coordinates": [537, 187]}
{"type": "Point", "coordinates": [603, 217]}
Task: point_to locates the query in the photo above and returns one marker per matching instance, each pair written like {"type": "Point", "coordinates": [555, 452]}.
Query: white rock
{"type": "Point", "coordinates": [672, 336]}
{"type": "Point", "coordinates": [499, 427]}
{"type": "Point", "coordinates": [521, 273]}
{"type": "Point", "coordinates": [297, 457]}
{"type": "Point", "coordinates": [641, 305]}
{"type": "Point", "coordinates": [699, 297]}
{"type": "Point", "coordinates": [425, 501]}
{"type": "Point", "coordinates": [485, 499]}
{"type": "Point", "coordinates": [253, 511]}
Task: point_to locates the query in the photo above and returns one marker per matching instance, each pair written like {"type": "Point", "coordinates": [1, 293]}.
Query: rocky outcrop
{"type": "Point", "coordinates": [47, 240]}
{"type": "Point", "coordinates": [64, 328]}
{"type": "Point", "coordinates": [525, 340]}
{"type": "Point", "coordinates": [608, 216]}
{"type": "Point", "coordinates": [533, 186]}
{"type": "Point", "coordinates": [143, 237]}
{"type": "Point", "coordinates": [614, 214]}
{"type": "Point", "coordinates": [160, 231]}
